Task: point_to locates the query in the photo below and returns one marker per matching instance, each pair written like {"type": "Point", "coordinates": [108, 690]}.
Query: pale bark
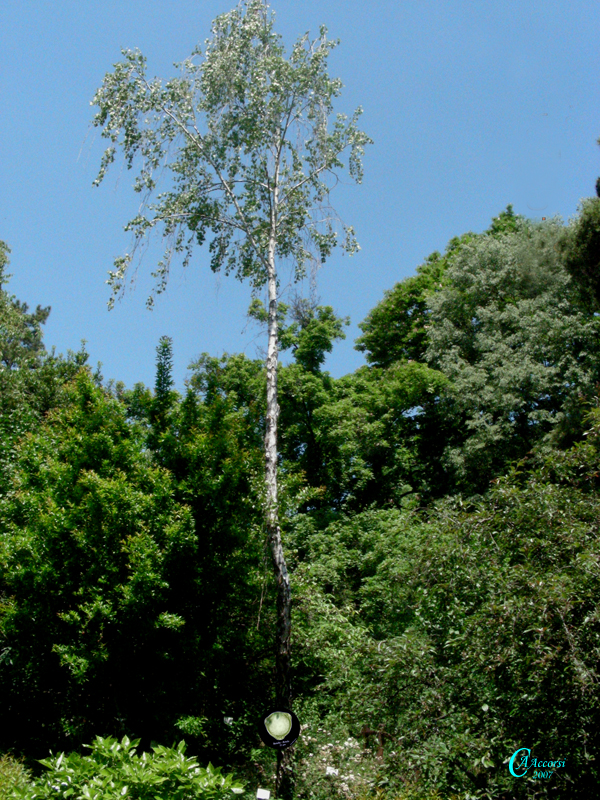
{"type": "Point", "coordinates": [283, 688]}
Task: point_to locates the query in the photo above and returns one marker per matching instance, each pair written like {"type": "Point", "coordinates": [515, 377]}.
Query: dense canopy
{"type": "Point", "coordinates": [439, 510]}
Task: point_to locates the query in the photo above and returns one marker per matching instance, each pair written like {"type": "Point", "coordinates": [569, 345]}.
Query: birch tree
{"type": "Point", "coordinates": [243, 146]}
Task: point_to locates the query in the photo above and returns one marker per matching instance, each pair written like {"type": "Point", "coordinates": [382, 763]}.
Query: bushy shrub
{"type": "Point", "coordinates": [13, 775]}
{"type": "Point", "coordinates": [114, 770]}
{"type": "Point", "coordinates": [110, 566]}
{"type": "Point", "coordinates": [327, 744]}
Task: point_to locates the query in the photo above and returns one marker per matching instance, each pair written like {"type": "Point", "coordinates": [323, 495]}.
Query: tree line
{"type": "Point", "coordinates": [439, 512]}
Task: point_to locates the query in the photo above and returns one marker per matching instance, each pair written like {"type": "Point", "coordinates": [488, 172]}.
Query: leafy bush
{"type": "Point", "coordinates": [92, 544]}
{"type": "Point", "coordinates": [12, 775]}
{"type": "Point", "coordinates": [114, 770]}
{"type": "Point", "coordinates": [327, 743]}
{"type": "Point", "coordinates": [110, 566]}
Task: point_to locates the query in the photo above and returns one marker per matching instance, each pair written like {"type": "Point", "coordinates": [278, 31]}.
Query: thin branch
{"type": "Point", "coordinates": [221, 220]}
{"type": "Point", "coordinates": [199, 143]}
{"type": "Point", "coordinates": [312, 175]}
{"type": "Point", "coordinates": [582, 669]}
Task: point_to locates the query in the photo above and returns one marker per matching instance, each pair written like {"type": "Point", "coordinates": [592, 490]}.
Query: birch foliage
{"type": "Point", "coordinates": [241, 143]}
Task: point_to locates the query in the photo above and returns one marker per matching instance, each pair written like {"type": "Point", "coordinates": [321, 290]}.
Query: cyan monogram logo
{"type": "Point", "coordinates": [522, 762]}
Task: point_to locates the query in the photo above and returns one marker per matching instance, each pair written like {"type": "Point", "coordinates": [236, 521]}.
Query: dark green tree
{"type": "Point", "coordinates": [581, 251]}
{"type": "Point", "coordinates": [164, 374]}
{"type": "Point", "coordinates": [344, 442]}
{"type": "Point", "coordinates": [162, 435]}
{"type": "Point", "coordinates": [506, 222]}
{"type": "Point", "coordinates": [520, 352]}
{"type": "Point", "coordinates": [312, 333]}
{"type": "Point", "coordinates": [396, 329]}
{"type": "Point", "coordinates": [499, 316]}
{"type": "Point", "coordinates": [95, 558]}
{"type": "Point", "coordinates": [134, 598]}
{"type": "Point", "coordinates": [21, 331]}
{"type": "Point", "coordinates": [31, 380]}
{"type": "Point", "coordinates": [21, 339]}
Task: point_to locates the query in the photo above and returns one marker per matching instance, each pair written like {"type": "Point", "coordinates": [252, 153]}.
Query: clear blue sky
{"type": "Point", "coordinates": [472, 105]}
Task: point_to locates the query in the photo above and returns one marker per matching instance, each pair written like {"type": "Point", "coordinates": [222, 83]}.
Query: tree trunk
{"type": "Point", "coordinates": [283, 690]}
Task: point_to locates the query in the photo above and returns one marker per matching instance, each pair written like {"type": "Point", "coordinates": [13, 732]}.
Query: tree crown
{"type": "Point", "coordinates": [245, 137]}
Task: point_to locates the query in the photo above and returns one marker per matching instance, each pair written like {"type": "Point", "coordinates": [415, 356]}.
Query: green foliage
{"type": "Point", "coordinates": [93, 543]}
{"type": "Point", "coordinates": [20, 332]}
{"type": "Point", "coordinates": [164, 375]}
{"type": "Point", "coordinates": [112, 567]}
{"type": "Point", "coordinates": [498, 316]}
{"type": "Point", "coordinates": [31, 380]}
{"type": "Point", "coordinates": [21, 351]}
{"type": "Point", "coordinates": [159, 410]}
{"type": "Point", "coordinates": [396, 329]}
{"type": "Point", "coordinates": [14, 777]}
{"type": "Point", "coordinates": [114, 770]}
{"type": "Point", "coordinates": [134, 590]}
{"type": "Point", "coordinates": [465, 630]}
{"type": "Point", "coordinates": [312, 333]}
{"type": "Point", "coordinates": [346, 442]}
{"type": "Point", "coordinates": [368, 431]}
{"type": "Point", "coordinates": [522, 357]}
{"type": "Point", "coordinates": [506, 222]}
{"type": "Point", "coordinates": [212, 446]}
{"type": "Point", "coordinates": [232, 133]}
{"type": "Point", "coordinates": [343, 442]}
{"type": "Point", "coordinates": [581, 248]}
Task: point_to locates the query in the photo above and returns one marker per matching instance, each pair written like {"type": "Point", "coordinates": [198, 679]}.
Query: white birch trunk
{"type": "Point", "coordinates": [283, 689]}
{"type": "Point", "coordinates": [283, 684]}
